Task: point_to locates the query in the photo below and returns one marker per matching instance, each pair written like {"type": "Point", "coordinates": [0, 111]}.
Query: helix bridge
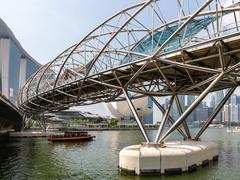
{"type": "Point", "coordinates": [145, 50]}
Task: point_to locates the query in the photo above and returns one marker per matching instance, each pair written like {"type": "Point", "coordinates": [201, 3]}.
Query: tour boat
{"type": "Point", "coordinates": [71, 136]}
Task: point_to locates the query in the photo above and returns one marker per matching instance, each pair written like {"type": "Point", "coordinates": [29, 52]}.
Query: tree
{"type": "Point", "coordinates": [113, 123]}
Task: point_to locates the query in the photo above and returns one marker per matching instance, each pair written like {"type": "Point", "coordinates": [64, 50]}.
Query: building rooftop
{"type": "Point", "coordinates": [5, 32]}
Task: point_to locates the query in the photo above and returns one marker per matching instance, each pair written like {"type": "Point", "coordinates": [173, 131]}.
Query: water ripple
{"type": "Point", "coordinates": [98, 159]}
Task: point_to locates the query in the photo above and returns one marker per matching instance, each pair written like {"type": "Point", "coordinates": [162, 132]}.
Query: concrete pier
{"type": "Point", "coordinates": [171, 158]}
{"type": "Point", "coordinates": [3, 133]}
{"type": "Point", "coordinates": [28, 134]}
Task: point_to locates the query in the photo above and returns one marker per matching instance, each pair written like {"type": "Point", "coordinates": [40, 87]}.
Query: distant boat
{"type": "Point", "coordinates": [71, 136]}
{"type": "Point", "coordinates": [218, 126]}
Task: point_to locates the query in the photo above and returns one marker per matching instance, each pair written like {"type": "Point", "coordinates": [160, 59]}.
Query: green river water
{"type": "Point", "coordinates": [36, 158]}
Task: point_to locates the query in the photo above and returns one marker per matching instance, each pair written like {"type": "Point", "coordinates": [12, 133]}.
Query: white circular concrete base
{"type": "Point", "coordinates": [172, 158]}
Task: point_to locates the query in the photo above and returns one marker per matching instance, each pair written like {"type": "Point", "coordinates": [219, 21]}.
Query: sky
{"type": "Point", "coordinates": [45, 28]}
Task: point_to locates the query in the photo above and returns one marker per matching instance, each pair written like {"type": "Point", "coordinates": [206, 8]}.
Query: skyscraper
{"type": "Point", "coordinates": [16, 65]}
{"type": "Point", "coordinates": [218, 97]}
{"type": "Point", "coordinates": [212, 102]}
{"type": "Point", "coordinates": [166, 102]}
{"type": "Point", "coordinates": [226, 113]}
{"type": "Point", "coordinates": [190, 100]}
{"type": "Point", "coordinates": [234, 108]}
{"type": "Point", "coordinates": [191, 116]}
{"type": "Point", "coordinates": [175, 112]}
{"type": "Point", "coordinates": [182, 101]}
{"type": "Point", "coordinates": [234, 99]}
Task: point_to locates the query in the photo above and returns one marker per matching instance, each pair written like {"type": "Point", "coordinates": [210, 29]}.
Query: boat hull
{"type": "Point", "coordinates": [70, 139]}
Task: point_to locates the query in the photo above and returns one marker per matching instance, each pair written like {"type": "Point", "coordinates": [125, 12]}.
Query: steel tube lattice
{"type": "Point", "coordinates": [146, 51]}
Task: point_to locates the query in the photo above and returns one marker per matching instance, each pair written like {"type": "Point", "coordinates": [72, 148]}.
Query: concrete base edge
{"type": "Point", "coordinates": [27, 134]}
{"type": "Point", "coordinates": [173, 158]}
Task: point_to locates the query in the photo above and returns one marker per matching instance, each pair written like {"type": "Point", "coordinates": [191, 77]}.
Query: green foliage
{"type": "Point", "coordinates": [113, 123]}
{"type": "Point", "coordinates": [98, 120]}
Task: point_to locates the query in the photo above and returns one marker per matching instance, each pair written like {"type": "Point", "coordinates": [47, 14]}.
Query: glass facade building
{"type": "Point", "coordinates": [16, 65]}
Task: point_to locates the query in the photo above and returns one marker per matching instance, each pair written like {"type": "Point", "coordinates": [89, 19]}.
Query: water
{"type": "Point", "coordinates": [39, 159]}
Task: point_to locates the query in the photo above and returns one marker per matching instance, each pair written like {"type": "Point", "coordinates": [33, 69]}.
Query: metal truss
{"type": "Point", "coordinates": [29, 120]}
{"type": "Point", "coordinates": [26, 121]}
{"type": "Point", "coordinates": [148, 52]}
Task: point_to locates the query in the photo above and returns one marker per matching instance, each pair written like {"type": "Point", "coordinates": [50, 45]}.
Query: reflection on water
{"type": "Point", "coordinates": [40, 159]}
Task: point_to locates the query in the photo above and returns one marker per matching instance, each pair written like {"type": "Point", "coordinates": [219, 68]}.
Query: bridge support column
{"type": "Point", "coordinates": [214, 113]}
{"type": "Point", "coordinates": [180, 110]}
{"type": "Point", "coordinates": [191, 107]}
{"type": "Point", "coordinates": [173, 156]}
{"type": "Point", "coordinates": [165, 118]}
{"type": "Point", "coordinates": [140, 125]}
{"type": "Point", "coordinates": [42, 122]}
{"type": "Point", "coordinates": [171, 120]}
{"type": "Point", "coordinates": [27, 121]}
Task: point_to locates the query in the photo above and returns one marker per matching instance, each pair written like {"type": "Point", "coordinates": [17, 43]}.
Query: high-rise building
{"type": "Point", "coordinates": [218, 98]}
{"type": "Point", "coordinates": [238, 112]}
{"type": "Point", "coordinates": [234, 113]}
{"type": "Point", "coordinates": [16, 65]}
{"type": "Point", "coordinates": [175, 112]}
{"type": "Point", "coordinates": [204, 104]}
{"type": "Point", "coordinates": [190, 100]}
{"type": "Point", "coordinates": [234, 99]}
{"type": "Point", "coordinates": [238, 99]}
{"type": "Point", "coordinates": [149, 118]}
{"type": "Point", "coordinates": [225, 91]}
{"type": "Point", "coordinates": [234, 108]}
{"type": "Point", "coordinates": [202, 113]}
{"type": "Point", "coordinates": [192, 116]}
{"type": "Point", "coordinates": [166, 103]}
{"type": "Point", "coordinates": [212, 102]}
{"type": "Point", "coordinates": [231, 112]}
{"type": "Point", "coordinates": [226, 113]}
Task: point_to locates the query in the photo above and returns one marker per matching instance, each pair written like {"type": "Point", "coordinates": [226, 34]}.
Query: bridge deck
{"type": "Point", "coordinates": [9, 115]}
{"type": "Point", "coordinates": [188, 71]}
